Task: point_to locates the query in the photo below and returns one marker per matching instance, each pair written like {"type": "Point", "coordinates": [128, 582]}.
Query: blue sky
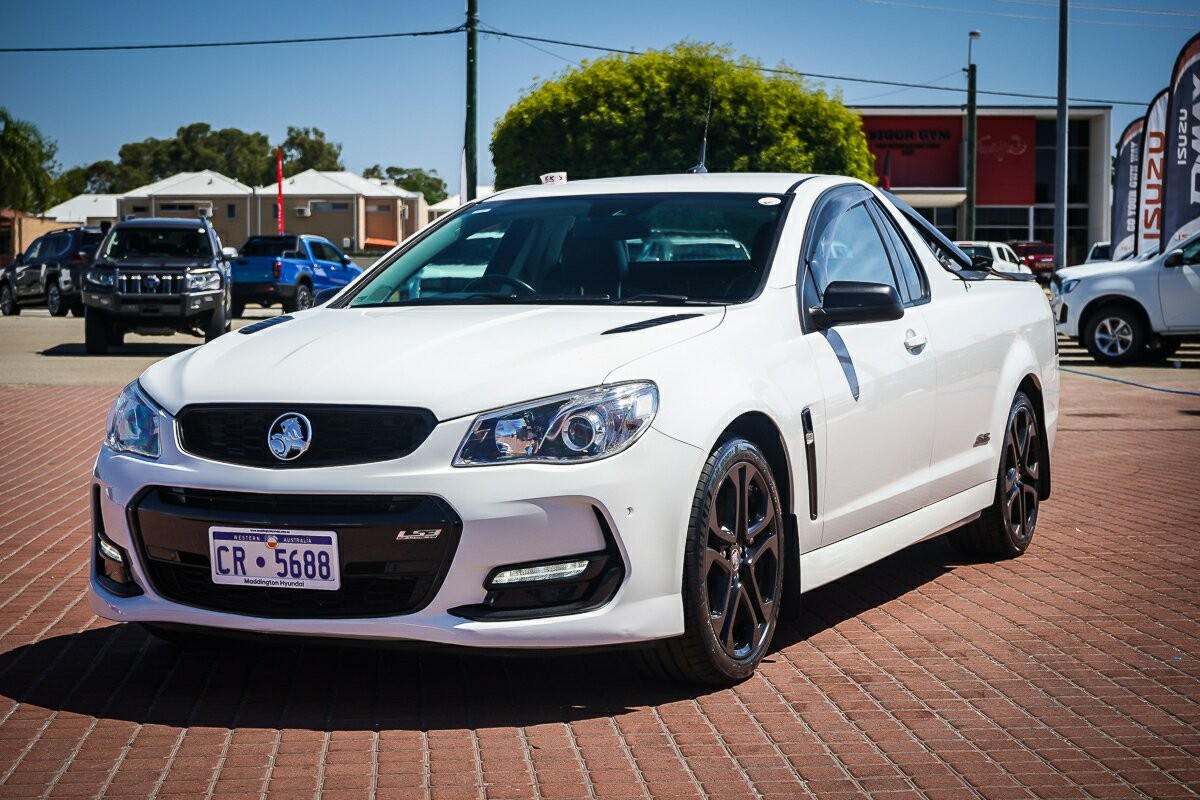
{"type": "Point", "coordinates": [400, 101]}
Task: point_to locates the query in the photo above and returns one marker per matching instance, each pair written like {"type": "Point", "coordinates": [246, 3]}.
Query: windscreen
{"type": "Point", "coordinates": [268, 246]}
{"type": "Point", "coordinates": [132, 243]}
{"type": "Point", "coordinates": [644, 248]}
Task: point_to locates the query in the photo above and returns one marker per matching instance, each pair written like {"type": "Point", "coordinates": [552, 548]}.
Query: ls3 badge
{"type": "Point", "coordinates": [427, 533]}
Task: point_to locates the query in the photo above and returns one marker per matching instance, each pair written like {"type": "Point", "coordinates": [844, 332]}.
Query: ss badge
{"type": "Point", "coordinates": [426, 533]}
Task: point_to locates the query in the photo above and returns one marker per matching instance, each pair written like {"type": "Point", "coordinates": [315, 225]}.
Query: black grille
{"type": "Point", "coordinates": [157, 283]}
{"type": "Point", "coordinates": [380, 575]}
{"type": "Point", "coordinates": [340, 434]}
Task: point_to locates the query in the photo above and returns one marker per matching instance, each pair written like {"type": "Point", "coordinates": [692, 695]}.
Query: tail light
{"type": "Point", "coordinates": [277, 270]}
{"type": "Point", "coordinates": [78, 258]}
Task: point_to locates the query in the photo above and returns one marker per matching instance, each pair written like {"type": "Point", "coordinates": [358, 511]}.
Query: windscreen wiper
{"type": "Point", "coordinates": [663, 299]}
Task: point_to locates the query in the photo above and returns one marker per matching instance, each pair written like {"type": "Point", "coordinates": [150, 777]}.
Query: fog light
{"type": "Point", "coordinates": [543, 572]}
{"type": "Point", "coordinates": [110, 551]}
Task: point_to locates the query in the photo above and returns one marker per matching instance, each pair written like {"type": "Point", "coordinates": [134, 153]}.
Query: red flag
{"type": "Point", "coordinates": [887, 171]}
{"type": "Point", "coordinates": [279, 180]}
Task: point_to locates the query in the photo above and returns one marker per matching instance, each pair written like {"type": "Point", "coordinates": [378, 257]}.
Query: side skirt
{"type": "Point", "coordinates": [826, 564]}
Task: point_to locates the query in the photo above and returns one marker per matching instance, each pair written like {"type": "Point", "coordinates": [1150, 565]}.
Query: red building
{"type": "Point", "coordinates": [921, 153]}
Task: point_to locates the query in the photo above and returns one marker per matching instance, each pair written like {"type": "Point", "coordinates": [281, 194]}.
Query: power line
{"type": "Point", "coordinates": [1161, 12]}
{"type": "Point", "coordinates": [1010, 15]}
{"type": "Point", "coordinates": [827, 77]}
{"type": "Point", "coordinates": [248, 43]}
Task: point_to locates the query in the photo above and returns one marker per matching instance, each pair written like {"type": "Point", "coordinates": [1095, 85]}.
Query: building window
{"type": "Point", "coordinates": [944, 219]}
{"type": "Point", "coordinates": [231, 211]}
{"type": "Point", "coordinates": [140, 209]}
{"type": "Point", "coordinates": [275, 211]}
{"type": "Point", "coordinates": [177, 207]}
{"type": "Point", "coordinates": [323, 205]}
{"type": "Point", "coordinates": [1077, 160]}
{"type": "Point", "coordinates": [380, 208]}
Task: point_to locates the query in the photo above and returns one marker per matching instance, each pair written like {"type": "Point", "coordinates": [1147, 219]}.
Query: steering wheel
{"type": "Point", "coordinates": [499, 281]}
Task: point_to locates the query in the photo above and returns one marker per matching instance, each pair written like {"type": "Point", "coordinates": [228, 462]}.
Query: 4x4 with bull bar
{"type": "Point", "coordinates": [157, 276]}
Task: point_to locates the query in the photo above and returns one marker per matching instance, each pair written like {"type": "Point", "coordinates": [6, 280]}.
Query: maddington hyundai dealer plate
{"type": "Point", "coordinates": [274, 558]}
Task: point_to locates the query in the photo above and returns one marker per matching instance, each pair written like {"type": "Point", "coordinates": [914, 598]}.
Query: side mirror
{"type": "Point", "coordinates": [18, 259]}
{"type": "Point", "coordinates": [346, 260]}
{"type": "Point", "coordinates": [1174, 258]}
{"type": "Point", "coordinates": [229, 253]}
{"type": "Point", "coordinates": [850, 302]}
{"type": "Point", "coordinates": [325, 295]}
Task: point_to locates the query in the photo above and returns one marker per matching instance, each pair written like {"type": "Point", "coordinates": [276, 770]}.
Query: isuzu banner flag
{"type": "Point", "coordinates": [1150, 179]}
{"type": "Point", "coordinates": [1181, 178]}
{"type": "Point", "coordinates": [1125, 190]}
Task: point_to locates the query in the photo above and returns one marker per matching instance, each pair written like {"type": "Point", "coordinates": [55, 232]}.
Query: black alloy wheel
{"type": "Point", "coordinates": [304, 298]}
{"type": "Point", "coordinates": [8, 302]}
{"type": "Point", "coordinates": [1006, 528]}
{"type": "Point", "coordinates": [732, 572]}
{"type": "Point", "coordinates": [54, 300]}
{"type": "Point", "coordinates": [742, 560]}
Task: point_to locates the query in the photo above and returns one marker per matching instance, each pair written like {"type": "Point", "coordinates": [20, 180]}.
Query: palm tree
{"type": "Point", "coordinates": [26, 163]}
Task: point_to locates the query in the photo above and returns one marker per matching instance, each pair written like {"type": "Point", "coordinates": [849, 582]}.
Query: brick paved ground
{"type": "Point", "coordinates": [1070, 672]}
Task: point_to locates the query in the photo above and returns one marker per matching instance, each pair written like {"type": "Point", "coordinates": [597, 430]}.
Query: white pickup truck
{"type": "Point", "coordinates": [1126, 310]}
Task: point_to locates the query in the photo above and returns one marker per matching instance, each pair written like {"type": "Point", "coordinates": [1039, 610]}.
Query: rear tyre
{"type": "Point", "coordinates": [732, 572]}
{"type": "Point", "coordinates": [97, 332]}
{"type": "Point", "coordinates": [54, 300]}
{"type": "Point", "coordinates": [1005, 529]}
{"type": "Point", "coordinates": [215, 326]}
{"type": "Point", "coordinates": [8, 302]}
{"type": "Point", "coordinates": [1115, 335]}
{"type": "Point", "coordinates": [303, 300]}
{"type": "Point", "coordinates": [77, 308]}
{"type": "Point", "coordinates": [237, 309]}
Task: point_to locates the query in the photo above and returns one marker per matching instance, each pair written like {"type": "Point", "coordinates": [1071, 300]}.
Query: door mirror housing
{"type": "Point", "coordinates": [851, 302]}
{"type": "Point", "coordinates": [1174, 258]}
{"type": "Point", "coordinates": [346, 261]}
{"type": "Point", "coordinates": [229, 253]}
{"type": "Point", "coordinates": [325, 295]}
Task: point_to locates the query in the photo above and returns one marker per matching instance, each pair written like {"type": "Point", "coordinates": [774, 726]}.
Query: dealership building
{"type": "Point", "coordinates": [920, 152]}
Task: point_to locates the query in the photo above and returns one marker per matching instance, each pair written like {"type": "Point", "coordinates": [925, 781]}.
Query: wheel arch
{"type": "Point", "coordinates": [1122, 300]}
{"type": "Point", "coordinates": [760, 429]}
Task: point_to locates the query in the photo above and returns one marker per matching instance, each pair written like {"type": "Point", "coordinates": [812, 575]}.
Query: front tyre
{"type": "Point", "coordinates": [1005, 529]}
{"type": "Point", "coordinates": [732, 571]}
{"type": "Point", "coordinates": [8, 301]}
{"type": "Point", "coordinates": [302, 301]}
{"type": "Point", "coordinates": [54, 300]}
{"type": "Point", "coordinates": [97, 331]}
{"type": "Point", "coordinates": [1115, 335]}
{"type": "Point", "coordinates": [215, 326]}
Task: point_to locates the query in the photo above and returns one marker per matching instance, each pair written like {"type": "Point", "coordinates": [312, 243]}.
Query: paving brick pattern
{"type": "Point", "coordinates": [1071, 672]}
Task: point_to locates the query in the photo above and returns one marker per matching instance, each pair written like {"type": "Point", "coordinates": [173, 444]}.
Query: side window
{"type": "Point", "coordinates": [1191, 252]}
{"type": "Point", "coordinates": [34, 250]}
{"type": "Point", "coordinates": [850, 249]}
{"type": "Point", "coordinates": [906, 262]}
{"type": "Point", "coordinates": [329, 253]}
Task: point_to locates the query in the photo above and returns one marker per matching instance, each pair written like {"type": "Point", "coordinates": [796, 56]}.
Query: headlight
{"type": "Point", "coordinates": [567, 429]}
{"type": "Point", "coordinates": [1069, 286]}
{"type": "Point", "coordinates": [203, 281]}
{"type": "Point", "coordinates": [133, 423]}
{"type": "Point", "coordinates": [102, 277]}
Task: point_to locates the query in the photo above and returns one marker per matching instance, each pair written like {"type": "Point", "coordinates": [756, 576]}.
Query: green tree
{"type": "Point", "coordinates": [27, 165]}
{"type": "Point", "coordinates": [415, 179]}
{"type": "Point", "coordinates": [644, 114]}
{"type": "Point", "coordinates": [307, 148]}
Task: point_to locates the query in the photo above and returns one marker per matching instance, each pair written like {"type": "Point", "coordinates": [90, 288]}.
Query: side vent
{"type": "Point", "coordinates": [255, 327]}
{"type": "Point", "coordinates": [810, 458]}
{"type": "Point", "coordinates": [650, 323]}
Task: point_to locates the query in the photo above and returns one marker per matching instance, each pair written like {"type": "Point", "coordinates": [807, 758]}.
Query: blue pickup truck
{"type": "Point", "coordinates": [287, 269]}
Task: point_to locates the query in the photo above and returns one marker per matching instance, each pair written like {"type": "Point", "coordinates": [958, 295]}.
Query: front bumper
{"type": "Point", "coordinates": [1066, 312]}
{"type": "Point", "coordinates": [173, 307]}
{"type": "Point", "coordinates": [636, 503]}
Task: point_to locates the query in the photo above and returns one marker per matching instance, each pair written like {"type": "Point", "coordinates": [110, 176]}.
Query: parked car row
{"type": "Point", "coordinates": [162, 276]}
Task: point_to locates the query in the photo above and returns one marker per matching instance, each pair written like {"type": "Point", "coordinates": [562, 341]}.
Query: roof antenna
{"type": "Point", "coordinates": [700, 169]}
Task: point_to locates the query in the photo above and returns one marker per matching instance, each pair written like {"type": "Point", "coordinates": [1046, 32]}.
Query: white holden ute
{"type": "Point", "coordinates": [522, 429]}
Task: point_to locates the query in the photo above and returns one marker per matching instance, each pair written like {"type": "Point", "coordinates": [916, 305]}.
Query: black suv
{"type": "Point", "coordinates": [50, 272]}
{"type": "Point", "coordinates": [157, 276]}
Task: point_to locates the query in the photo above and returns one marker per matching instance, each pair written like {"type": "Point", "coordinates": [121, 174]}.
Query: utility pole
{"type": "Point", "coordinates": [472, 97]}
{"type": "Point", "coordinates": [972, 140]}
{"type": "Point", "coordinates": [1060, 154]}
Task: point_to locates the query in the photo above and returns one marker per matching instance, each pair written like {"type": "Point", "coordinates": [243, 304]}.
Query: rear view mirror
{"type": "Point", "coordinates": [1174, 258]}
{"type": "Point", "coordinates": [851, 302]}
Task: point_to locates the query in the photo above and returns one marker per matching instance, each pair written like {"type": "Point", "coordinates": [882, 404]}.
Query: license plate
{"type": "Point", "coordinates": [279, 559]}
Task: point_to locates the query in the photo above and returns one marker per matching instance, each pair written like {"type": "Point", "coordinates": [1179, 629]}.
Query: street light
{"type": "Point", "coordinates": [969, 221]}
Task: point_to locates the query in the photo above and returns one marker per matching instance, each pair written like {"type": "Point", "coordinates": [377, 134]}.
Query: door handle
{"type": "Point", "coordinates": [914, 341]}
